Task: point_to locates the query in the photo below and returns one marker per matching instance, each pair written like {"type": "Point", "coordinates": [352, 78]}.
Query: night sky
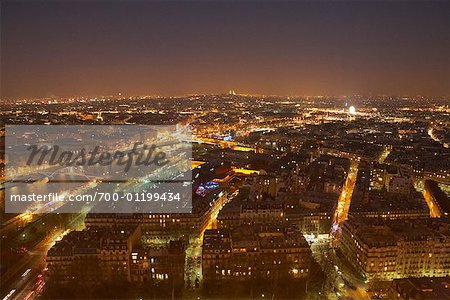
{"type": "Point", "coordinates": [70, 48]}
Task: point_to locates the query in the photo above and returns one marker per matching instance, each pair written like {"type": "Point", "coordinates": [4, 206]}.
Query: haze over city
{"type": "Point", "coordinates": [79, 48]}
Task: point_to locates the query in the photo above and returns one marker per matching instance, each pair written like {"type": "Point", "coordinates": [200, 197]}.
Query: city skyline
{"type": "Point", "coordinates": [271, 149]}
{"type": "Point", "coordinates": [272, 48]}
{"type": "Point", "coordinates": [292, 198]}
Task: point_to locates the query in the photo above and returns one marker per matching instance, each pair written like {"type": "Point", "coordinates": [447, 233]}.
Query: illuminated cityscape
{"type": "Point", "coordinates": [342, 194]}
{"type": "Point", "coordinates": [297, 190]}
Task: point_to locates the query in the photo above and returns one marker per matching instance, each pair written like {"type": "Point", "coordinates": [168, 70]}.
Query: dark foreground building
{"type": "Point", "coordinates": [266, 251]}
